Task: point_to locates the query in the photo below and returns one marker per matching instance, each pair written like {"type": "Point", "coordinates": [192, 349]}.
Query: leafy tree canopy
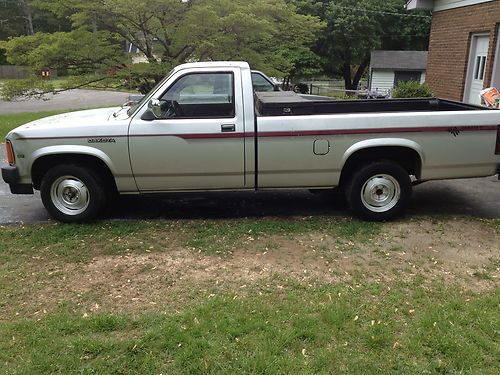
{"type": "Point", "coordinates": [168, 32]}
{"type": "Point", "coordinates": [286, 38]}
{"type": "Point", "coordinates": [357, 27]}
{"type": "Point", "coordinates": [17, 17]}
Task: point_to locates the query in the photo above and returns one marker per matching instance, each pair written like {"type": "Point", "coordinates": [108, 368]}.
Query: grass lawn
{"type": "Point", "coordinates": [268, 296]}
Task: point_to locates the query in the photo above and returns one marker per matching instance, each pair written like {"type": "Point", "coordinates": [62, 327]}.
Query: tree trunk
{"type": "Point", "coordinates": [359, 73]}
{"type": "Point", "coordinates": [28, 16]}
{"type": "Point", "coordinates": [352, 83]}
{"type": "Point", "coordinates": [286, 83]}
{"type": "Point", "coordinates": [94, 23]}
{"type": "Point", "coordinates": [346, 73]}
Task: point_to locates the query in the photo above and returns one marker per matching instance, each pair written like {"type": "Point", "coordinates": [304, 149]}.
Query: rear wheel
{"type": "Point", "coordinates": [379, 191]}
{"type": "Point", "coordinates": [71, 193]}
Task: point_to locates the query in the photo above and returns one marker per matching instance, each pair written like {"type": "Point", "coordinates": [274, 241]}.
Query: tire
{"type": "Point", "coordinates": [379, 191]}
{"type": "Point", "coordinates": [72, 193]}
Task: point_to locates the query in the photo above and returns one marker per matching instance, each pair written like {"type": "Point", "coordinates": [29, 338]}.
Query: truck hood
{"type": "Point", "coordinates": [68, 124]}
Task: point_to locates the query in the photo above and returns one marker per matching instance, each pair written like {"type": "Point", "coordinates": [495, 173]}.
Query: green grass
{"type": "Point", "coordinates": [58, 82]}
{"type": "Point", "coordinates": [369, 329]}
{"type": "Point", "coordinates": [222, 236]}
{"type": "Point", "coordinates": [13, 120]}
{"type": "Point", "coordinates": [278, 324]}
{"type": "Point", "coordinates": [61, 241]}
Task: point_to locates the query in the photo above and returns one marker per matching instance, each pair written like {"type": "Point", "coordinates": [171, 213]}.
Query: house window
{"type": "Point", "coordinates": [480, 67]}
{"type": "Point", "coordinates": [406, 76]}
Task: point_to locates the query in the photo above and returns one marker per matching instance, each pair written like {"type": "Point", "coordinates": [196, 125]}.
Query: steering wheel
{"type": "Point", "coordinates": [178, 109]}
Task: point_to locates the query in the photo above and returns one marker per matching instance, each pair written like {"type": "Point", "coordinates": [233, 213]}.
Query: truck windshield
{"type": "Point", "coordinates": [146, 97]}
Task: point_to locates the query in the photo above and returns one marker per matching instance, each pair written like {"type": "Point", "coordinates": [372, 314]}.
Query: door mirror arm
{"type": "Point", "coordinates": [148, 116]}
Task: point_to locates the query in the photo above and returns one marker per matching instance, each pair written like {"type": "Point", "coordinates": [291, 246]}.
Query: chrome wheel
{"type": "Point", "coordinates": [69, 195]}
{"type": "Point", "coordinates": [380, 193]}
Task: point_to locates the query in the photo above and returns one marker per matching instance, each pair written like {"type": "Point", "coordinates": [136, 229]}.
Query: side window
{"type": "Point", "coordinates": [200, 95]}
{"type": "Point", "coordinates": [261, 84]}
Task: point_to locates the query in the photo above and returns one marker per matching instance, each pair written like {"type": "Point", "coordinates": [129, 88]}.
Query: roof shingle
{"type": "Point", "coordinates": [399, 60]}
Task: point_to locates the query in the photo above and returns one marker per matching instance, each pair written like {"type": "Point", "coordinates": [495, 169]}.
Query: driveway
{"type": "Point", "coordinates": [472, 197]}
{"type": "Point", "coordinates": [72, 99]}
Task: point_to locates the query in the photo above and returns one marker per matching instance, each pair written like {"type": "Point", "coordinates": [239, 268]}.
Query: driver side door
{"type": "Point", "coordinates": [198, 142]}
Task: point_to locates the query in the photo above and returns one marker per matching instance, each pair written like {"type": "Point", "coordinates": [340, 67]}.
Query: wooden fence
{"type": "Point", "coordinates": [13, 72]}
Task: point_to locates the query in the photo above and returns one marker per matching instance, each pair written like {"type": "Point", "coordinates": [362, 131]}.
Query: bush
{"type": "Point", "coordinates": [301, 88]}
{"type": "Point", "coordinates": [412, 89]}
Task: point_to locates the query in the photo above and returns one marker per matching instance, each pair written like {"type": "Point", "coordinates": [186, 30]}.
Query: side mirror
{"type": "Point", "coordinates": [154, 106]}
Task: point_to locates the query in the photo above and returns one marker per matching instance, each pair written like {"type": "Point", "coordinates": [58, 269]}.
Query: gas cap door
{"type": "Point", "coordinates": [321, 147]}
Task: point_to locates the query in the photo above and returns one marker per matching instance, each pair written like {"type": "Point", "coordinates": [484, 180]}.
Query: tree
{"type": "Point", "coordinates": [79, 50]}
{"type": "Point", "coordinates": [357, 27]}
{"type": "Point", "coordinates": [10, 13]}
{"type": "Point", "coordinates": [172, 31]}
{"type": "Point", "coordinates": [86, 55]}
{"type": "Point", "coordinates": [24, 17]}
{"type": "Point", "coordinates": [169, 32]}
{"type": "Point", "coordinates": [27, 15]}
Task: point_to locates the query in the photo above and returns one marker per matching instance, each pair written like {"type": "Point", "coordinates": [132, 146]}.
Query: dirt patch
{"type": "Point", "coordinates": [460, 251]}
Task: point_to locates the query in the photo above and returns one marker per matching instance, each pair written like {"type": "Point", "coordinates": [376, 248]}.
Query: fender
{"type": "Point", "coordinates": [72, 149]}
{"type": "Point", "coordinates": [383, 142]}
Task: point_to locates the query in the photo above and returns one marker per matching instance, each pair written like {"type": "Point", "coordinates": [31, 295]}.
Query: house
{"type": "Point", "coordinates": [464, 47]}
{"type": "Point", "coordinates": [387, 68]}
{"type": "Point", "coordinates": [136, 55]}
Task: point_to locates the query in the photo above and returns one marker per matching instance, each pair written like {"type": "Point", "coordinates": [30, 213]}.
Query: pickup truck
{"type": "Point", "coordinates": [205, 128]}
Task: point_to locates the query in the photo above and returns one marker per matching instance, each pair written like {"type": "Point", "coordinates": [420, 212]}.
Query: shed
{"type": "Point", "coordinates": [387, 68]}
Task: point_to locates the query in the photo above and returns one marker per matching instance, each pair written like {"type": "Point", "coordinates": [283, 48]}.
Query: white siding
{"type": "Point", "coordinates": [420, 4]}
{"type": "Point", "coordinates": [382, 80]}
{"type": "Point", "coordinates": [450, 4]}
{"type": "Point", "coordinates": [438, 5]}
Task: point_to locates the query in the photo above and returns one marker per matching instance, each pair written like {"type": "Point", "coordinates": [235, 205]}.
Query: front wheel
{"type": "Point", "coordinates": [71, 193]}
{"type": "Point", "coordinates": [379, 191]}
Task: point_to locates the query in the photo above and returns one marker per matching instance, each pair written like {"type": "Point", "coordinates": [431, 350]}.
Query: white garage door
{"type": "Point", "coordinates": [477, 68]}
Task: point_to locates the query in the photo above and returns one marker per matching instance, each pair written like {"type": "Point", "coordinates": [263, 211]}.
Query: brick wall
{"type": "Point", "coordinates": [449, 46]}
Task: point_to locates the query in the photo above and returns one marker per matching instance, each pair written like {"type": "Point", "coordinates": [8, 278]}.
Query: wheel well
{"type": "Point", "coordinates": [41, 166]}
{"type": "Point", "coordinates": [406, 157]}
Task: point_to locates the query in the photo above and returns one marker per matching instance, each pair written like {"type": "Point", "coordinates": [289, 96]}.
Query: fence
{"type": "Point", "coordinates": [335, 88]}
{"type": "Point", "coordinates": [342, 93]}
{"type": "Point", "coordinates": [13, 72]}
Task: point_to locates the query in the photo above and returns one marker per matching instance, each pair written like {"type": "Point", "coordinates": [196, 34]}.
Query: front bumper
{"type": "Point", "coordinates": [11, 176]}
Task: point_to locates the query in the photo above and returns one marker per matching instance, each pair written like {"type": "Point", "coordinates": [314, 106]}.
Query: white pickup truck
{"type": "Point", "coordinates": [204, 127]}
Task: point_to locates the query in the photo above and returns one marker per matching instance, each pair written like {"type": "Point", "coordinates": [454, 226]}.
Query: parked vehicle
{"type": "Point", "coordinates": [203, 128]}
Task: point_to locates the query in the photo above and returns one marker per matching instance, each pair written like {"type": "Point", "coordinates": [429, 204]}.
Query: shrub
{"type": "Point", "coordinates": [301, 88]}
{"type": "Point", "coordinates": [412, 89]}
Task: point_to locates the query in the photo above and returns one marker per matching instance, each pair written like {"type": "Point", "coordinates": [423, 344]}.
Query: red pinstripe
{"type": "Point", "coordinates": [298, 133]}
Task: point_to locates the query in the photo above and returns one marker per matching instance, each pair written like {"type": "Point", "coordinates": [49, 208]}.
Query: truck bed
{"type": "Point", "coordinates": [285, 103]}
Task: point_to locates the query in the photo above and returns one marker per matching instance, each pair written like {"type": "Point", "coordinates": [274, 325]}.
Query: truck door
{"type": "Point", "coordinates": [198, 141]}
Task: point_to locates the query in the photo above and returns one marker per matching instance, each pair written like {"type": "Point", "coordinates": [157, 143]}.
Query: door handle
{"type": "Point", "coordinates": [227, 128]}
